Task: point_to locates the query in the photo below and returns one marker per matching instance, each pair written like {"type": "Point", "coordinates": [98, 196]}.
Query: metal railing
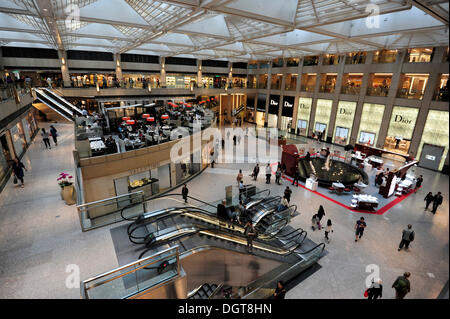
{"type": "Point", "coordinates": [111, 210]}
{"type": "Point", "coordinates": [133, 278]}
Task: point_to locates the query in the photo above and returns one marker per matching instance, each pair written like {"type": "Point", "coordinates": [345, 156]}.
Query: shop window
{"type": "Point", "coordinates": [262, 81]}
{"type": "Point", "coordinates": [344, 122]}
{"type": "Point", "coordinates": [239, 82]}
{"type": "Point", "coordinates": [311, 60]}
{"type": "Point", "coordinates": [290, 62]}
{"type": "Point", "coordinates": [251, 82]}
{"type": "Point", "coordinates": [303, 113]}
{"type": "Point", "coordinates": [370, 123]}
{"type": "Point", "coordinates": [322, 118]}
{"type": "Point", "coordinates": [277, 63]}
{"type": "Point", "coordinates": [239, 65]}
{"type": "Point", "coordinates": [320, 128]}
{"type": "Point", "coordinates": [419, 55]}
{"type": "Point", "coordinates": [379, 84]}
{"type": "Point", "coordinates": [384, 56]}
{"type": "Point", "coordinates": [401, 127]}
{"type": "Point", "coordinates": [412, 86]}
{"type": "Point", "coordinates": [355, 58]}
{"type": "Point", "coordinates": [275, 82]}
{"type": "Point", "coordinates": [290, 82]}
{"type": "Point", "coordinates": [253, 65]}
{"type": "Point", "coordinates": [264, 65]}
{"type": "Point", "coordinates": [441, 92]}
{"type": "Point", "coordinates": [139, 58]}
{"type": "Point", "coordinates": [341, 135]}
{"type": "Point", "coordinates": [435, 140]}
{"type": "Point", "coordinates": [89, 55]}
{"type": "Point", "coordinates": [351, 83]}
{"type": "Point", "coordinates": [327, 82]}
{"type": "Point", "coordinates": [308, 82]}
{"type": "Point", "coordinates": [215, 63]}
{"type": "Point", "coordinates": [331, 59]}
{"type": "Point", "coordinates": [180, 61]}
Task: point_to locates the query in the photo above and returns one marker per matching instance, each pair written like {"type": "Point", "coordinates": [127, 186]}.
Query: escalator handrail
{"type": "Point", "coordinates": [262, 191]}
{"type": "Point", "coordinates": [216, 291]}
{"type": "Point", "coordinates": [60, 98]}
{"type": "Point", "coordinates": [199, 200]}
{"type": "Point", "coordinates": [61, 112]}
{"type": "Point", "coordinates": [51, 100]}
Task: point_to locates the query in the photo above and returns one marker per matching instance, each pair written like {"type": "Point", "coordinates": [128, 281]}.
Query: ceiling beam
{"type": "Point", "coordinates": [429, 10]}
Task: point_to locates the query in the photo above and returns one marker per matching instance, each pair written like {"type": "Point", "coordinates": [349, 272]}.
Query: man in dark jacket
{"type": "Point", "coordinates": [428, 199]}
{"type": "Point", "coordinates": [376, 290]}
{"type": "Point", "coordinates": [436, 202]}
{"type": "Point", "coordinates": [256, 171]}
{"type": "Point", "coordinates": [287, 194]}
{"type": "Point", "coordinates": [185, 192]}
{"type": "Point", "coordinates": [296, 177]}
{"type": "Point", "coordinates": [222, 210]}
{"type": "Point", "coordinates": [419, 181]}
{"type": "Point", "coordinates": [407, 237]}
{"type": "Point", "coordinates": [402, 286]}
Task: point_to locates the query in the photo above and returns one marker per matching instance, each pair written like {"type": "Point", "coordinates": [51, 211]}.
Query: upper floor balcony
{"type": "Point", "coordinates": [441, 91]}
{"type": "Point", "coordinates": [412, 86]}
{"type": "Point", "coordinates": [351, 83]}
{"type": "Point", "coordinates": [379, 84]}
{"type": "Point", "coordinates": [308, 82]}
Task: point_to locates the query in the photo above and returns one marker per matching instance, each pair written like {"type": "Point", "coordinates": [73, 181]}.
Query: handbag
{"type": "Point", "coordinates": [366, 293]}
{"type": "Point", "coordinates": [15, 180]}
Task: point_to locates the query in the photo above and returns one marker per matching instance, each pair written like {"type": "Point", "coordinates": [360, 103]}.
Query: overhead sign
{"type": "Point", "coordinates": [288, 106]}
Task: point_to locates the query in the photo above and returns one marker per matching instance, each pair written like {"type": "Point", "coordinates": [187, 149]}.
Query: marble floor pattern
{"type": "Point", "coordinates": [40, 236]}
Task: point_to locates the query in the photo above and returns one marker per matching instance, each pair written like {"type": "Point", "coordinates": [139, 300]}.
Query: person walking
{"type": "Point", "coordinates": [212, 158]}
{"type": "Point", "coordinates": [402, 286]}
{"type": "Point", "coordinates": [428, 199]}
{"type": "Point", "coordinates": [328, 230]}
{"type": "Point", "coordinates": [241, 189]}
{"type": "Point", "coordinates": [278, 175]}
{"type": "Point", "coordinates": [17, 169]}
{"type": "Point", "coordinates": [239, 177]}
{"type": "Point", "coordinates": [376, 290]}
{"type": "Point", "coordinates": [419, 181]}
{"type": "Point", "coordinates": [287, 194]}
{"type": "Point", "coordinates": [185, 192]}
{"type": "Point", "coordinates": [249, 232]}
{"type": "Point", "coordinates": [268, 173]}
{"type": "Point", "coordinates": [314, 221]}
{"type": "Point", "coordinates": [407, 237]}
{"type": "Point", "coordinates": [320, 212]}
{"type": "Point", "coordinates": [45, 136]}
{"type": "Point", "coordinates": [436, 202]}
{"type": "Point", "coordinates": [359, 227]}
{"type": "Point", "coordinates": [54, 134]}
{"type": "Point", "coordinates": [255, 172]}
{"type": "Point", "coordinates": [296, 177]}
{"type": "Point", "coordinates": [280, 291]}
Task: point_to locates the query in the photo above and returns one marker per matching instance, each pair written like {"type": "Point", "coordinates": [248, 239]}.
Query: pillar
{"type": "Point", "coordinates": [162, 79]}
{"type": "Point", "coordinates": [199, 73]}
{"type": "Point", "coordinates": [64, 68]}
{"type": "Point", "coordinates": [118, 66]}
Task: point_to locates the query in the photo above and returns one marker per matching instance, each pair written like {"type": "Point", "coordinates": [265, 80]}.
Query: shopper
{"type": "Point", "coordinates": [359, 227]}
{"type": "Point", "coordinates": [212, 159]}
{"type": "Point", "coordinates": [419, 181]}
{"type": "Point", "coordinates": [249, 232]}
{"type": "Point", "coordinates": [407, 237]}
{"type": "Point", "coordinates": [45, 136]}
{"type": "Point", "coordinates": [239, 177]}
{"type": "Point", "coordinates": [280, 291]}
{"type": "Point", "coordinates": [314, 222]}
{"type": "Point", "coordinates": [376, 290]}
{"type": "Point", "coordinates": [328, 230]}
{"type": "Point", "coordinates": [283, 205]}
{"type": "Point", "coordinates": [241, 189]}
{"type": "Point", "coordinates": [185, 192]}
{"type": "Point", "coordinates": [54, 134]}
{"type": "Point", "coordinates": [402, 286]}
{"type": "Point", "coordinates": [296, 177]}
{"type": "Point", "coordinates": [428, 199]}
{"type": "Point", "coordinates": [255, 172]}
{"type": "Point", "coordinates": [287, 194]}
{"type": "Point", "coordinates": [278, 175]}
{"type": "Point", "coordinates": [268, 173]}
{"type": "Point", "coordinates": [320, 212]}
{"type": "Point", "coordinates": [436, 202]}
{"type": "Point", "coordinates": [17, 169]}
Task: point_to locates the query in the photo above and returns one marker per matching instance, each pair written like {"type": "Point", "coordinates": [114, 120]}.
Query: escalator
{"type": "Point", "coordinates": [57, 104]}
{"type": "Point", "coordinates": [205, 291]}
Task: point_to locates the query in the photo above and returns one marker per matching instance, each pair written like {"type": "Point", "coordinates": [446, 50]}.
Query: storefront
{"type": "Point", "coordinates": [261, 110]}
{"type": "Point", "coordinates": [250, 109]}
{"type": "Point", "coordinates": [322, 118]}
{"type": "Point", "coordinates": [141, 81]}
{"type": "Point", "coordinates": [401, 127]}
{"type": "Point", "coordinates": [90, 79]}
{"type": "Point", "coordinates": [303, 112]}
{"type": "Point", "coordinates": [344, 122]}
{"type": "Point", "coordinates": [369, 127]}
{"type": "Point", "coordinates": [434, 145]}
{"type": "Point", "coordinates": [274, 107]}
{"type": "Point", "coordinates": [287, 112]}
{"type": "Point", "coordinates": [18, 138]}
{"type": "Point", "coordinates": [180, 81]}
{"type": "Point", "coordinates": [215, 81]}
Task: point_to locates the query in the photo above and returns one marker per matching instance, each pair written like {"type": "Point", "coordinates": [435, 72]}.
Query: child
{"type": "Point", "coordinates": [328, 229]}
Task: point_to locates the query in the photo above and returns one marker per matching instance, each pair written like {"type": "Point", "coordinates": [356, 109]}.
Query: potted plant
{"type": "Point", "coordinates": [67, 188]}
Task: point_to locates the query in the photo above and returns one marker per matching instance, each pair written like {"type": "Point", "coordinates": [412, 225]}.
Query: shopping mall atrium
{"type": "Point", "coordinates": [224, 149]}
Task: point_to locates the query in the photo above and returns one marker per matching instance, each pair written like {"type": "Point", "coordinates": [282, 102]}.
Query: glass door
{"type": "Point", "coordinates": [301, 127]}
{"type": "Point", "coordinates": [341, 135]}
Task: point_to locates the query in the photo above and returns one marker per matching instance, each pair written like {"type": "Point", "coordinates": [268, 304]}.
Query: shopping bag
{"type": "Point", "coordinates": [15, 180]}
{"type": "Point", "coordinates": [366, 293]}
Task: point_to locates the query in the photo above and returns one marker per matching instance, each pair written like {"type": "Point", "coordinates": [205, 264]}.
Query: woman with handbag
{"type": "Point", "coordinates": [18, 168]}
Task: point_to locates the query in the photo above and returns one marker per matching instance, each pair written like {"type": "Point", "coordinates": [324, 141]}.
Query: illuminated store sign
{"type": "Point", "coordinates": [288, 106]}
{"type": "Point", "coordinates": [274, 104]}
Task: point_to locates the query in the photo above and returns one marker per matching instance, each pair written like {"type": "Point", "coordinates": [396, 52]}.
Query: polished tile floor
{"type": "Point", "coordinates": [40, 236]}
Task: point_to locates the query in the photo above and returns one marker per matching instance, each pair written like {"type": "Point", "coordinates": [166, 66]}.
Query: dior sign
{"type": "Point", "coordinates": [272, 102]}
{"type": "Point", "coordinates": [400, 119]}
{"type": "Point", "coordinates": [345, 111]}
{"type": "Point", "coordinates": [287, 104]}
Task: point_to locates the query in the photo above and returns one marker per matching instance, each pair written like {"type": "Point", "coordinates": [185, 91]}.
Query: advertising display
{"type": "Point", "coordinates": [322, 119]}
{"type": "Point", "coordinates": [288, 106]}
{"type": "Point", "coordinates": [369, 127]}
{"type": "Point", "coordinates": [344, 122]}
{"type": "Point", "coordinates": [435, 136]}
{"type": "Point", "coordinates": [274, 104]}
{"type": "Point", "coordinates": [303, 112]}
{"type": "Point", "coordinates": [401, 127]}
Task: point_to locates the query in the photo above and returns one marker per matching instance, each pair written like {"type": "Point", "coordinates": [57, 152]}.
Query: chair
{"type": "Point", "coordinates": [356, 189]}
{"type": "Point", "coordinates": [340, 190]}
{"type": "Point", "coordinates": [347, 189]}
{"type": "Point", "coordinates": [331, 188]}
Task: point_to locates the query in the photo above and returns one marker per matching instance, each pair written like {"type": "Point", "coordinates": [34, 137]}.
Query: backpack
{"type": "Point", "coordinates": [402, 284]}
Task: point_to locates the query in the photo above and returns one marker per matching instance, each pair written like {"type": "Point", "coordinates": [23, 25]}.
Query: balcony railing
{"type": "Point", "coordinates": [326, 89]}
{"type": "Point", "coordinates": [351, 90]}
{"type": "Point", "coordinates": [307, 88]}
{"type": "Point", "coordinates": [441, 95]}
{"type": "Point", "coordinates": [406, 94]}
{"type": "Point", "coordinates": [377, 91]}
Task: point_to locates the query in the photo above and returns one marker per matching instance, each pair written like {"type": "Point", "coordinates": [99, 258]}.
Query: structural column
{"type": "Point", "coordinates": [199, 73]}
{"type": "Point", "coordinates": [118, 66]}
{"type": "Point", "coordinates": [64, 68]}
{"type": "Point", "coordinates": [163, 71]}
